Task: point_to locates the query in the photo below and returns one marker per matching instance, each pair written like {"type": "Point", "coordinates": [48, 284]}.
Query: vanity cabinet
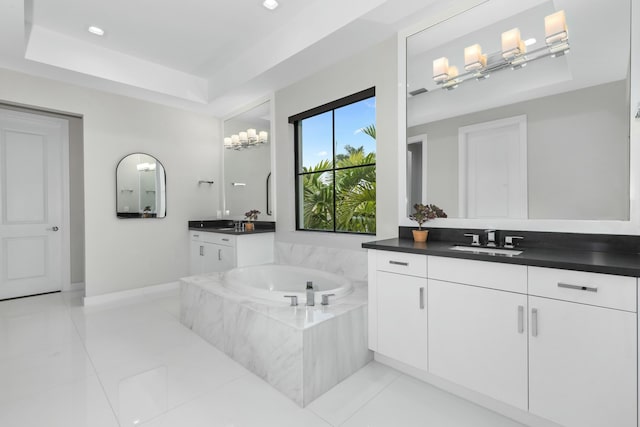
{"type": "Point", "coordinates": [214, 252]}
{"type": "Point", "coordinates": [583, 348]}
{"type": "Point", "coordinates": [560, 344]}
{"type": "Point", "coordinates": [477, 338]}
{"type": "Point", "coordinates": [401, 316]}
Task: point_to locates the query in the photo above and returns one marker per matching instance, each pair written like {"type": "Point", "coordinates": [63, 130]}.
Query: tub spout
{"type": "Point", "coordinates": [310, 295]}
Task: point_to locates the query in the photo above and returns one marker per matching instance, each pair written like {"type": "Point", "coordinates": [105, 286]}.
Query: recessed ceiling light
{"type": "Point", "coordinates": [96, 30]}
{"type": "Point", "coordinates": [270, 4]}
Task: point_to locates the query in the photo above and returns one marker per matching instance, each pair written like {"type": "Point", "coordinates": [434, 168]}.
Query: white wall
{"type": "Point", "coordinates": [374, 67]}
{"type": "Point", "coordinates": [127, 254]}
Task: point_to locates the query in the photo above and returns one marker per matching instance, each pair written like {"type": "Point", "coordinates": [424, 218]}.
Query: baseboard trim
{"type": "Point", "coordinates": [146, 291]}
{"type": "Point", "coordinates": [487, 402]}
{"type": "Point", "coordinates": [79, 286]}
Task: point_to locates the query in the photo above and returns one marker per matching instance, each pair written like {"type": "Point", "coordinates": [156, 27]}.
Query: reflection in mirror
{"type": "Point", "coordinates": [530, 133]}
{"type": "Point", "coordinates": [247, 163]}
{"type": "Point", "coordinates": [140, 187]}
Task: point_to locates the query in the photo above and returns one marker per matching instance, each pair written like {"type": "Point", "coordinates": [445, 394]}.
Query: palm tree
{"type": "Point", "coordinates": [355, 191]}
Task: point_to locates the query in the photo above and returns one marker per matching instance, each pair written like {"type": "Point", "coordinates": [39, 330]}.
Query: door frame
{"type": "Point", "coordinates": [463, 147]}
{"type": "Point", "coordinates": [65, 255]}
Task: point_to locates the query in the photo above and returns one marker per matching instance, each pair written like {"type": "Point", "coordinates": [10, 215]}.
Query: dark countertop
{"type": "Point", "coordinates": [233, 232]}
{"type": "Point", "coordinates": [224, 226]}
{"type": "Point", "coordinates": [619, 263]}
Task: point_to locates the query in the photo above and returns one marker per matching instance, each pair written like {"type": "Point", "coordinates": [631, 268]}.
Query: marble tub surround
{"type": "Point", "coordinates": [301, 351]}
{"type": "Point", "coordinates": [344, 262]}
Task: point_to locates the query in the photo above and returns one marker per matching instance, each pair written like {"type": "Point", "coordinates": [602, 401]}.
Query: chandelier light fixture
{"type": "Point", "coordinates": [243, 140]}
{"type": "Point", "coordinates": [513, 55]}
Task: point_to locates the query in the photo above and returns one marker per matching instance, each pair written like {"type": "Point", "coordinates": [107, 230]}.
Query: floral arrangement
{"type": "Point", "coordinates": [423, 213]}
{"type": "Point", "coordinates": [252, 215]}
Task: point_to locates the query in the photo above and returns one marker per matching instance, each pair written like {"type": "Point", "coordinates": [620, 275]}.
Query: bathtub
{"type": "Point", "coordinates": [274, 281]}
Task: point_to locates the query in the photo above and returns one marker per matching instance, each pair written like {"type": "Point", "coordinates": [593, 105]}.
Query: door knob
{"type": "Point", "coordinates": [54, 228]}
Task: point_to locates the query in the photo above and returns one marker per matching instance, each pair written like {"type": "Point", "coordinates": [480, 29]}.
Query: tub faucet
{"type": "Point", "coordinates": [310, 294]}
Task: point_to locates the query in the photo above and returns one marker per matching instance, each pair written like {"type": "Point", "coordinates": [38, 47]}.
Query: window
{"type": "Point", "coordinates": [336, 165]}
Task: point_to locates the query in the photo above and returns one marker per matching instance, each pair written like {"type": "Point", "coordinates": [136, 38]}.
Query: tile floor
{"type": "Point", "coordinates": [134, 364]}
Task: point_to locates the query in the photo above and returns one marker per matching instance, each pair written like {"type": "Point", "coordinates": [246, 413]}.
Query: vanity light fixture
{"type": "Point", "coordinates": [246, 139]}
{"type": "Point", "coordinates": [513, 54]}
{"type": "Point", "coordinates": [96, 30]}
{"type": "Point", "coordinates": [146, 167]}
{"type": "Point", "coordinates": [270, 4]}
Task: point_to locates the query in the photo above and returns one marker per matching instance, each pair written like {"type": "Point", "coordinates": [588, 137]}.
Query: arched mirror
{"type": "Point", "coordinates": [140, 187]}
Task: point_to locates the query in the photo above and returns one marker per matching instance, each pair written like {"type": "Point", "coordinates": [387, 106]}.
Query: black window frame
{"type": "Point", "coordinates": [296, 120]}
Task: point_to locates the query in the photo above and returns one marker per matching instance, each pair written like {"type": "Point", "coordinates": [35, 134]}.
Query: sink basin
{"type": "Point", "coordinates": [487, 251]}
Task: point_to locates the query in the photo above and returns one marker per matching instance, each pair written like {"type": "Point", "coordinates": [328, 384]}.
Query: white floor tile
{"type": "Point", "coordinates": [49, 302]}
{"type": "Point", "coordinates": [80, 404]}
{"type": "Point", "coordinates": [27, 332]}
{"type": "Point", "coordinates": [346, 398]}
{"type": "Point", "coordinates": [190, 372]}
{"type": "Point", "coordinates": [246, 402]}
{"type": "Point", "coordinates": [29, 374]}
{"type": "Point", "coordinates": [408, 402]}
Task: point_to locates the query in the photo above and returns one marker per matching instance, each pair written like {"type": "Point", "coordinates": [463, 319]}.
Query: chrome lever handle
{"type": "Point", "coordinates": [325, 298]}
{"type": "Point", "coordinates": [294, 299]}
{"type": "Point", "coordinates": [475, 239]}
{"type": "Point", "coordinates": [54, 228]}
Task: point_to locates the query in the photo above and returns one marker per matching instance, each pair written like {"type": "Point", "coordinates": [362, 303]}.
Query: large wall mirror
{"type": "Point", "coordinates": [527, 125]}
{"type": "Point", "coordinates": [140, 187]}
{"type": "Point", "coordinates": [247, 163]}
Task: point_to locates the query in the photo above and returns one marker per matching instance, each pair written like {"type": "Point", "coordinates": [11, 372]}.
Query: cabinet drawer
{"type": "Point", "coordinates": [603, 290]}
{"type": "Point", "coordinates": [494, 275]}
{"type": "Point", "coordinates": [398, 262]}
{"type": "Point", "coordinates": [217, 238]}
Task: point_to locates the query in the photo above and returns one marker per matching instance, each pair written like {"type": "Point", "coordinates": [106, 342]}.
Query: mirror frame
{"type": "Point", "coordinates": [137, 215]}
{"type": "Point", "coordinates": [272, 153]}
{"type": "Point", "coordinates": [493, 7]}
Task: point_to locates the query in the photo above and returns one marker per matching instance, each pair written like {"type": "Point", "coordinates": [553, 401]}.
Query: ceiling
{"type": "Point", "coordinates": [596, 57]}
{"type": "Point", "coordinates": [211, 56]}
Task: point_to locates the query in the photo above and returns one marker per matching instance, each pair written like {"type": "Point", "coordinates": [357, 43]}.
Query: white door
{"type": "Point", "coordinates": [582, 364]}
{"type": "Point", "coordinates": [478, 339]}
{"type": "Point", "coordinates": [31, 206]}
{"type": "Point", "coordinates": [402, 318]}
{"type": "Point", "coordinates": [493, 169]}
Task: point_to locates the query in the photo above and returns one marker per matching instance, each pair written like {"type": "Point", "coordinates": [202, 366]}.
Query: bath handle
{"type": "Point", "coordinates": [294, 299]}
{"type": "Point", "coordinates": [325, 298]}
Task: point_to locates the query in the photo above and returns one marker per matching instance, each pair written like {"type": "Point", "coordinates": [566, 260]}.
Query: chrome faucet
{"type": "Point", "coordinates": [310, 294]}
{"type": "Point", "coordinates": [491, 238]}
{"type": "Point", "coordinates": [475, 239]}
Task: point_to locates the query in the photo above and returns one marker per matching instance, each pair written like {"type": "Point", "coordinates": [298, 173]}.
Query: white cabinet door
{"type": "Point", "coordinates": [217, 257]}
{"type": "Point", "coordinates": [582, 364]}
{"type": "Point", "coordinates": [195, 256]}
{"type": "Point", "coordinates": [402, 318]}
{"type": "Point", "coordinates": [478, 339]}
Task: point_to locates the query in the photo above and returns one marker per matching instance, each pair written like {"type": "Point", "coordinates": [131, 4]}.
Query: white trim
{"type": "Point", "coordinates": [631, 227]}
{"type": "Point", "coordinates": [146, 291]}
{"type": "Point", "coordinates": [78, 286]}
{"type": "Point", "coordinates": [423, 139]}
{"type": "Point", "coordinates": [463, 160]}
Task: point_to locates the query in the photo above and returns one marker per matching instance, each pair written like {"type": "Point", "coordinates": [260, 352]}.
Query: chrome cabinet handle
{"type": "Point", "coordinates": [577, 287]}
{"type": "Point", "coordinates": [201, 250]}
{"type": "Point", "coordinates": [225, 240]}
{"type": "Point", "coordinates": [421, 298]}
{"type": "Point", "coordinates": [219, 254]}
{"type": "Point", "coordinates": [406, 264]}
{"type": "Point", "coordinates": [294, 299]}
{"type": "Point", "coordinates": [534, 322]}
{"type": "Point", "coordinates": [520, 319]}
